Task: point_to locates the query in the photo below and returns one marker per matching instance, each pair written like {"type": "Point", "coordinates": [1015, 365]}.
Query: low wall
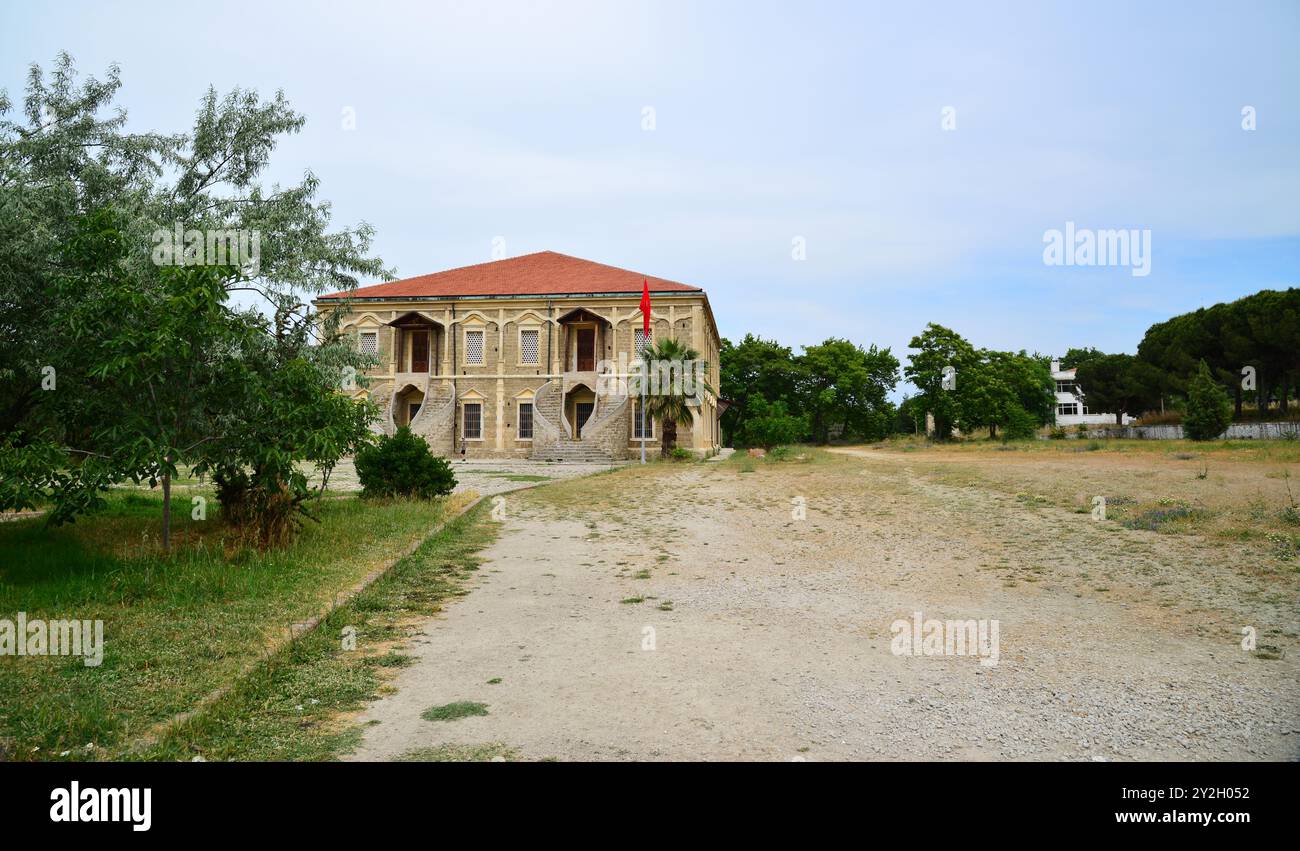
{"type": "Point", "coordinates": [1236, 431]}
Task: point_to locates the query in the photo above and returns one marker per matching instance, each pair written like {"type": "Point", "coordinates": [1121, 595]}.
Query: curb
{"type": "Point", "coordinates": [297, 630]}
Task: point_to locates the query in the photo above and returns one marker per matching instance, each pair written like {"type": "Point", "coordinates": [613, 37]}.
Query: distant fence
{"type": "Point", "coordinates": [1236, 431]}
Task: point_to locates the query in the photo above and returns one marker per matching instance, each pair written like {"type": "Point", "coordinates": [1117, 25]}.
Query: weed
{"type": "Point", "coordinates": [452, 711]}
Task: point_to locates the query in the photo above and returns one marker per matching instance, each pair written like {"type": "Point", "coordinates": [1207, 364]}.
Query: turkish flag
{"type": "Point", "coordinates": [645, 308]}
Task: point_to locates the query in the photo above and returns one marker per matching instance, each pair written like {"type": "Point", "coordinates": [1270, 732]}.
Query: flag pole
{"type": "Point", "coordinates": [645, 342]}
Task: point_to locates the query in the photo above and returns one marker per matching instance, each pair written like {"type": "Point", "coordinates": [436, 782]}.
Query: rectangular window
{"type": "Point", "coordinates": [1069, 409]}
{"type": "Point", "coordinates": [636, 423]}
{"type": "Point", "coordinates": [472, 428]}
{"type": "Point", "coordinates": [474, 348]}
{"type": "Point", "coordinates": [1065, 387]}
{"type": "Point", "coordinates": [641, 339]}
{"type": "Point", "coordinates": [528, 345]}
{"type": "Point", "coordinates": [370, 342]}
{"type": "Point", "coordinates": [525, 421]}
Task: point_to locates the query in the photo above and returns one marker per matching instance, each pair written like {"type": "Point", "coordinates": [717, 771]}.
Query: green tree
{"type": "Point", "coordinates": [670, 403]}
{"type": "Point", "coordinates": [846, 386]}
{"type": "Point", "coordinates": [939, 348]}
{"type": "Point", "coordinates": [754, 367]}
{"type": "Point", "coordinates": [1260, 331]}
{"type": "Point", "coordinates": [1073, 357]}
{"type": "Point", "coordinates": [1120, 383]}
{"type": "Point", "coordinates": [1209, 411]}
{"type": "Point", "coordinates": [60, 163]}
{"type": "Point", "coordinates": [985, 398]}
{"type": "Point", "coordinates": [1005, 389]}
{"type": "Point", "coordinates": [279, 405]}
{"type": "Point", "coordinates": [131, 397]}
{"type": "Point", "coordinates": [771, 425]}
{"type": "Point", "coordinates": [910, 416]}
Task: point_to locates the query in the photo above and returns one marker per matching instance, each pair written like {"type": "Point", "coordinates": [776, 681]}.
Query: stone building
{"type": "Point", "coordinates": [524, 357]}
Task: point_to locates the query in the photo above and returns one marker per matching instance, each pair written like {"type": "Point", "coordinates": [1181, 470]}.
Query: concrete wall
{"type": "Point", "coordinates": [1236, 431]}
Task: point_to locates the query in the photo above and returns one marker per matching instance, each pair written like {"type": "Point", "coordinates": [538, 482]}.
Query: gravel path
{"type": "Point", "coordinates": [484, 477]}
{"type": "Point", "coordinates": [771, 635]}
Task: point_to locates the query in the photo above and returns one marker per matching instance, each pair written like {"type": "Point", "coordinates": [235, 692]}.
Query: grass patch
{"type": "Point", "coordinates": [293, 706]}
{"type": "Point", "coordinates": [630, 601]}
{"type": "Point", "coordinates": [453, 711]}
{"type": "Point", "coordinates": [176, 626]}
{"type": "Point", "coordinates": [494, 751]}
{"type": "Point", "coordinates": [1156, 519]}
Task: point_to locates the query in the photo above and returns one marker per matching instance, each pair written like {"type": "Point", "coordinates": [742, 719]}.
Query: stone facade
{"type": "Point", "coordinates": [459, 369]}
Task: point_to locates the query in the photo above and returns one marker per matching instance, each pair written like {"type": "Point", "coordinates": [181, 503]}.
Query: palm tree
{"type": "Point", "coordinates": [670, 405]}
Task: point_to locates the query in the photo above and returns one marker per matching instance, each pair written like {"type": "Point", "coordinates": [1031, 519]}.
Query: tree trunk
{"type": "Point", "coordinates": [1236, 401]}
{"type": "Point", "coordinates": [993, 431]}
{"type": "Point", "coordinates": [167, 513]}
{"type": "Point", "coordinates": [1286, 391]}
{"type": "Point", "coordinates": [670, 438]}
{"type": "Point", "coordinates": [1119, 418]}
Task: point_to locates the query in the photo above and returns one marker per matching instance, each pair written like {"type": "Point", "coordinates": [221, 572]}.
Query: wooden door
{"type": "Point", "coordinates": [586, 349]}
{"type": "Point", "coordinates": [419, 351]}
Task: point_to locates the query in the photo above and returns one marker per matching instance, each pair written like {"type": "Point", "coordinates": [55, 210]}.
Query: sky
{"type": "Point", "coordinates": [849, 169]}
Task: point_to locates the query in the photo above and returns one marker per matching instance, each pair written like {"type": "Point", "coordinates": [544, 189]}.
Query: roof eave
{"type": "Point", "coordinates": [620, 294]}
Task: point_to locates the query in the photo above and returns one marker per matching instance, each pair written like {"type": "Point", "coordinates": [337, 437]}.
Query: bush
{"type": "Point", "coordinates": [1209, 411]}
{"type": "Point", "coordinates": [1170, 417]}
{"type": "Point", "coordinates": [769, 424]}
{"type": "Point", "coordinates": [682, 454]}
{"type": "Point", "coordinates": [261, 517]}
{"type": "Point", "coordinates": [402, 465]}
{"type": "Point", "coordinates": [1020, 424]}
{"type": "Point", "coordinates": [1057, 433]}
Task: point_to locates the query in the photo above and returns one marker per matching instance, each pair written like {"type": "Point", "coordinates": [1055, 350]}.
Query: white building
{"type": "Point", "coordinates": [1071, 406]}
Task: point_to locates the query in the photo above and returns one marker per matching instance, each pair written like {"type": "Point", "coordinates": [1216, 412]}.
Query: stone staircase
{"type": "Point", "coordinates": [573, 452]}
{"type": "Point", "coordinates": [546, 411]}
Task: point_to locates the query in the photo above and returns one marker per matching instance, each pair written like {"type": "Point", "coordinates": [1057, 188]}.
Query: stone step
{"type": "Point", "coordinates": [574, 452]}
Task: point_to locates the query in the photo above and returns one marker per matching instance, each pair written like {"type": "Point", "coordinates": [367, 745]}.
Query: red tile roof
{"type": "Point", "coordinates": [543, 273]}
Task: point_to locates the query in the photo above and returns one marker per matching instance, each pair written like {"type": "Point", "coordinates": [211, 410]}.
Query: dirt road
{"type": "Point", "coordinates": [758, 635]}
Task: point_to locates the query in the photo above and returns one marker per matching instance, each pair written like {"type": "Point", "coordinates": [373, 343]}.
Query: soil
{"type": "Point", "coordinates": [761, 636]}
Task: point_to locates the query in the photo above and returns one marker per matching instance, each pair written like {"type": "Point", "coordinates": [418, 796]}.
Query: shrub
{"type": "Point", "coordinates": [680, 453]}
{"type": "Point", "coordinates": [1057, 433]}
{"type": "Point", "coordinates": [1020, 424]}
{"type": "Point", "coordinates": [402, 465]}
{"type": "Point", "coordinates": [1169, 417]}
{"type": "Point", "coordinates": [261, 517]}
{"type": "Point", "coordinates": [1209, 411]}
{"type": "Point", "coordinates": [769, 424]}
